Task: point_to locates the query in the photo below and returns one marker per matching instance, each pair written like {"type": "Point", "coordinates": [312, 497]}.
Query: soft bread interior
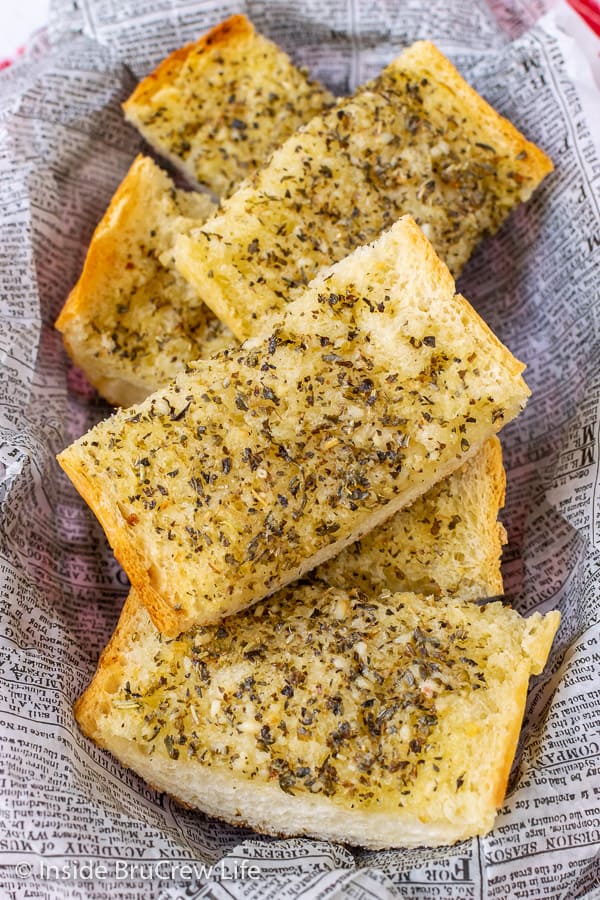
{"type": "Point", "coordinates": [448, 541]}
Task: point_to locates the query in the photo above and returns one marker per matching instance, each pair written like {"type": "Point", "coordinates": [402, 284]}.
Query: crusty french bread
{"type": "Point", "coordinates": [257, 465]}
{"type": "Point", "coordinates": [382, 722]}
{"type": "Point", "coordinates": [131, 322]}
{"type": "Point", "coordinates": [449, 541]}
{"type": "Point", "coordinates": [218, 107]}
{"type": "Point", "coordinates": [415, 140]}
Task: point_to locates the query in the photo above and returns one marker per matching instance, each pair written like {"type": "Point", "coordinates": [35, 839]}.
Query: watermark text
{"type": "Point", "coordinates": [126, 870]}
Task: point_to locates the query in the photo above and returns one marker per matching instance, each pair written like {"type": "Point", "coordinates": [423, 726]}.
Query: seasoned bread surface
{"type": "Point", "coordinates": [416, 140]}
{"type": "Point", "coordinates": [132, 322]}
{"type": "Point", "coordinates": [382, 722]}
{"type": "Point", "coordinates": [257, 465]}
{"type": "Point", "coordinates": [218, 107]}
{"type": "Point", "coordinates": [449, 541]}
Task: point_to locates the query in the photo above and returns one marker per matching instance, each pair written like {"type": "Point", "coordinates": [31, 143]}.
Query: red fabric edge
{"type": "Point", "coordinates": [589, 11]}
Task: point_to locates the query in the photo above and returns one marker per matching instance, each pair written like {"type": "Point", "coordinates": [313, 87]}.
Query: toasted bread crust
{"type": "Point", "coordinates": [167, 619]}
{"type": "Point", "coordinates": [103, 249]}
{"type": "Point", "coordinates": [110, 666]}
{"type": "Point", "coordinates": [538, 635]}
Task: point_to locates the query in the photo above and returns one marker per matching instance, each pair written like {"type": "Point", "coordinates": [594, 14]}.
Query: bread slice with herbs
{"type": "Point", "coordinates": [417, 139]}
{"type": "Point", "coordinates": [449, 541]}
{"type": "Point", "coordinates": [218, 107]}
{"type": "Point", "coordinates": [132, 322]}
{"type": "Point", "coordinates": [383, 721]}
{"type": "Point", "coordinates": [257, 465]}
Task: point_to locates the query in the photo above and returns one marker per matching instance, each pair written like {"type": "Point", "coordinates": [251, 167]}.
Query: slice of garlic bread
{"type": "Point", "coordinates": [416, 140]}
{"type": "Point", "coordinates": [218, 107]}
{"type": "Point", "coordinates": [255, 466]}
{"type": "Point", "coordinates": [132, 322]}
{"type": "Point", "coordinates": [382, 722]}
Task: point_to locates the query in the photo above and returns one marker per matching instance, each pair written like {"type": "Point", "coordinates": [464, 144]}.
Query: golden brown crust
{"type": "Point", "coordinates": [538, 636]}
{"type": "Point", "coordinates": [496, 472]}
{"type": "Point", "coordinates": [104, 250]}
{"type": "Point", "coordinates": [496, 475]}
{"type": "Point", "coordinates": [235, 29]}
{"type": "Point", "coordinates": [499, 785]}
{"type": "Point", "coordinates": [110, 666]}
{"type": "Point", "coordinates": [166, 618]}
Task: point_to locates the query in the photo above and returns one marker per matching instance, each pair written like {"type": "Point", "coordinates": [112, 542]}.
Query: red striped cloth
{"type": "Point", "coordinates": [589, 10]}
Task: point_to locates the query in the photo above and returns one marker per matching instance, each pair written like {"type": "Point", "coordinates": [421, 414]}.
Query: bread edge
{"type": "Point", "coordinates": [496, 476]}
{"type": "Point", "coordinates": [121, 201]}
{"type": "Point", "coordinates": [103, 247]}
{"type": "Point", "coordinates": [536, 644]}
{"type": "Point", "coordinates": [372, 835]}
{"type": "Point", "coordinates": [170, 621]}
